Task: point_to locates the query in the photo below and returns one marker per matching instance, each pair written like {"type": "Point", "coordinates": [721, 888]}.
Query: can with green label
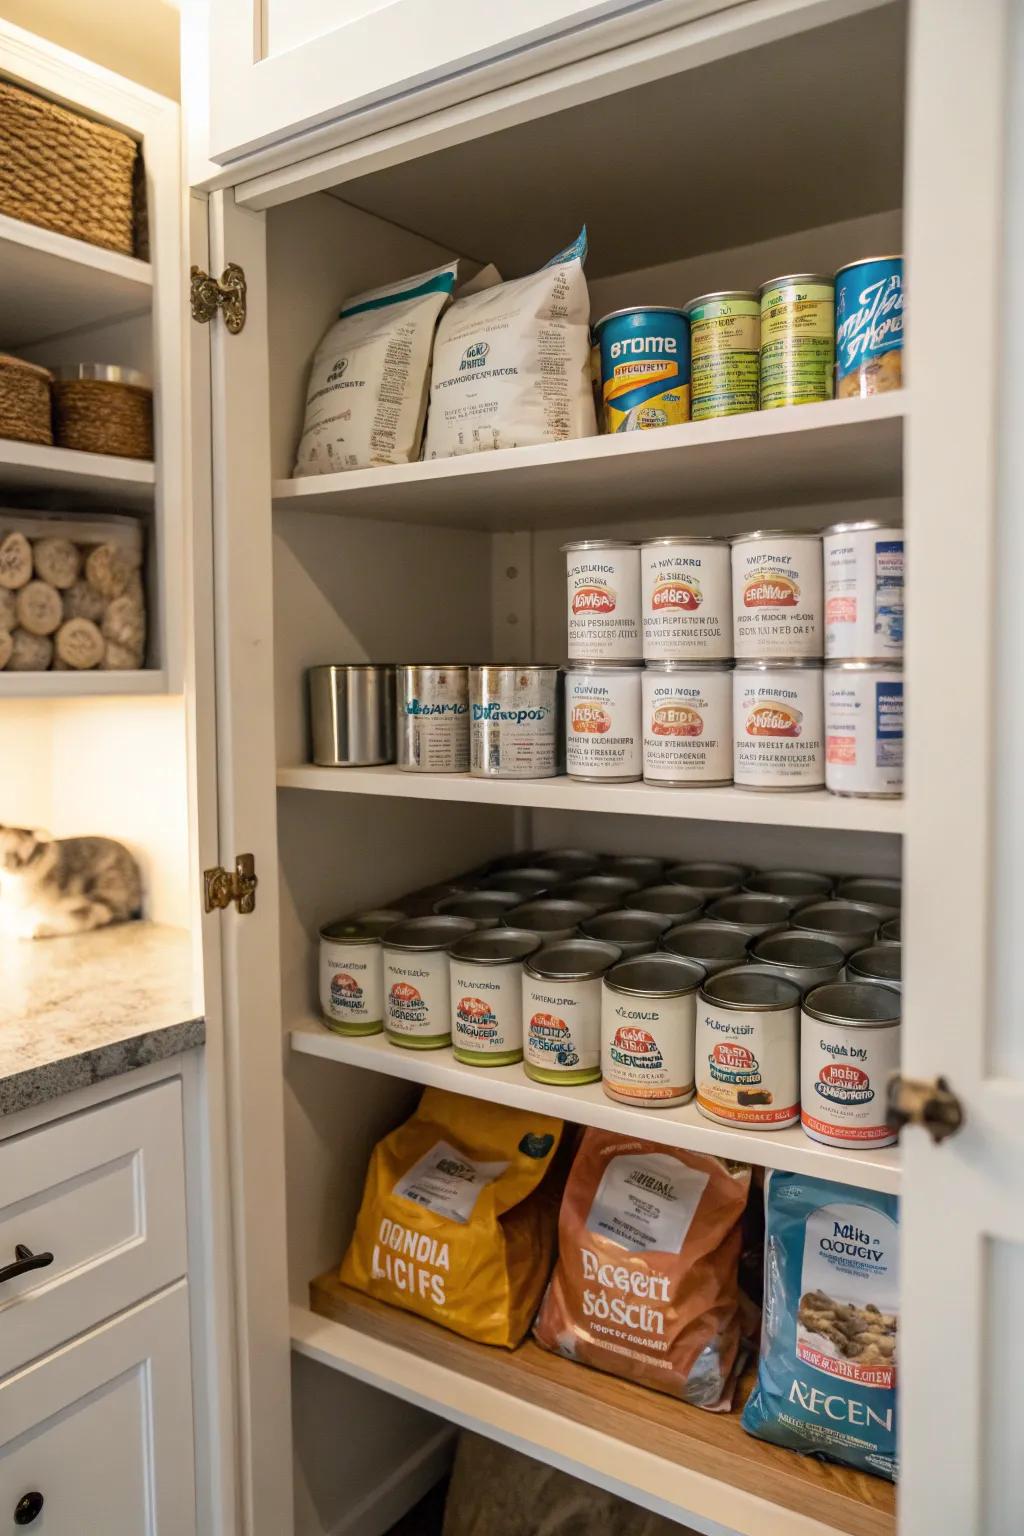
{"type": "Point", "coordinates": [797, 339]}
{"type": "Point", "coordinates": [725, 331]}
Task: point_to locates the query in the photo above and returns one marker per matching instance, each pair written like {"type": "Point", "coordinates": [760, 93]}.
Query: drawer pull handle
{"type": "Point", "coordinates": [27, 1508]}
{"type": "Point", "coordinates": [24, 1260]}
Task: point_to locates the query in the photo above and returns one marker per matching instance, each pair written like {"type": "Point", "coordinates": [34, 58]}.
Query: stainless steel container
{"type": "Point", "coordinates": [602, 892]}
{"type": "Point", "coordinates": [527, 879]}
{"type": "Point", "coordinates": [884, 895]}
{"type": "Point", "coordinates": [755, 913]}
{"type": "Point", "coordinates": [433, 718]}
{"type": "Point", "coordinates": [878, 962]}
{"type": "Point", "coordinates": [515, 722]}
{"type": "Point", "coordinates": [682, 903]}
{"type": "Point", "coordinates": [802, 884]}
{"type": "Point", "coordinates": [712, 878]}
{"type": "Point", "coordinates": [554, 920]}
{"type": "Point", "coordinates": [644, 868]}
{"type": "Point", "coordinates": [352, 715]}
{"type": "Point", "coordinates": [715, 946]}
{"type": "Point", "coordinates": [848, 924]}
{"type": "Point", "coordinates": [635, 933]}
{"type": "Point", "coordinates": [573, 862]}
{"type": "Point", "coordinates": [485, 908]}
{"type": "Point", "coordinates": [805, 958]}
{"type": "Point", "coordinates": [648, 1017]}
{"type": "Point", "coordinates": [891, 931]}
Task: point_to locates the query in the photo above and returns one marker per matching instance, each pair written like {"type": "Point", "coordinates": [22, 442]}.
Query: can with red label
{"type": "Point", "coordinates": [487, 995]}
{"type": "Point", "coordinates": [777, 595]}
{"type": "Point", "coordinates": [603, 735]}
{"type": "Point", "coordinates": [562, 1010]}
{"type": "Point", "coordinates": [417, 999]}
{"type": "Point", "coordinates": [603, 579]}
{"type": "Point", "coordinates": [686, 599]}
{"type": "Point", "coordinates": [748, 1049]}
{"type": "Point", "coordinates": [352, 971]}
{"type": "Point", "coordinates": [687, 715]}
{"type": "Point", "coordinates": [849, 1049]}
{"type": "Point", "coordinates": [779, 727]}
{"type": "Point", "coordinates": [647, 1023]}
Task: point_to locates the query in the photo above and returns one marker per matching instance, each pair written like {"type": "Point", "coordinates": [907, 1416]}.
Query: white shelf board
{"type": "Point", "coordinates": [838, 450]}
{"type": "Point", "coordinates": [96, 479]}
{"type": "Point", "coordinates": [51, 284]}
{"type": "Point", "coordinates": [589, 1105]}
{"type": "Point", "coordinates": [77, 685]}
{"type": "Point", "coordinates": [815, 808]}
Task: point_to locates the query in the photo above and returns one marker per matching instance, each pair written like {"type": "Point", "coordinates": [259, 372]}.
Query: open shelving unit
{"type": "Point", "coordinates": [51, 284]}
{"type": "Point", "coordinates": [89, 480]}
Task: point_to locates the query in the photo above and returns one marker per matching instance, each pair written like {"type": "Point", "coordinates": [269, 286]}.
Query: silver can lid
{"type": "Point", "coordinates": [751, 989]}
{"type": "Point", "coordinates": [674, 540]}
{"type": "Point", "coordinates": [624, 925]}
{"type": "Point", "coordinates": [597, 888]}
{"type": "Point", "coordinates": [647, 867]}
{"type": "Point", "coordinates": [836, 916]}
{"type": "Point", "coordinates": [638, 309]}
{"type": "Point", "coordinates": [707, 940]}
{"type": "Point", "coordinates": [799, 951]}
{"type": "Point", "coordinates": [863, 525]}
{"type": "Point", "coordinates": [550, 915]}
{"type": "Point", "coordinates": [883, 664]}
{"type": "Point", "coordinates": [751, 907]}
{"type": "Point", "coordinates": [529, 881]}
{"type": "Point", "coordinates": [866, 261]}
{"type": "Point", "coordinates": [676, 900]}
{"type": "Point", "coordinates": [585, 544]}
{"type": "Point", "coordinates": [433, 666]}
{"type": "Point", "coordinates": [876, 890]}
{"type": "Point", "coordinates": [427, 933]}
{"type": "Point", "coordinates": [363, 927]}
{"type": "Point", "coordinates": [103, 373]}
{"type": "Point", "coordinates": [707, 875]}
{"type": "Point", "coordinates": [475, 904]}
{"type": "Point", "coordinates": [789, 278]}
{"type": "Point", "coordinates": [746, 294]}
{"type": "Point", "coordinates": [868, 1004]}
{"type": "Point", "coordinates": [674, 668]}
{"type": "Point", "coordinates": [655, 976]}
{"type": "Point", "coordinates": [593, 667]}
{"type": "Point", "coordinates": [572, 960]}
{"type": "Point", "coordinates": [789, 882]}
{"type": "Point", "coordinates": [774, 533]}
{"type": "Point", "coordinates": [572, 861]}
{"type": "Point", "coordinates": [496, 946]}
{"type": "Point", "coordinates": [790, 664]}
{"type": "Point", "coordinates": [876, 962]}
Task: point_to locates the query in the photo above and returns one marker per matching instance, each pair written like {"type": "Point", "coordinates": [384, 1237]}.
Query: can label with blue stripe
{"type": "Point", "coordinates": [645, 368]}
{"type": "Point", "coordinates": [869, 326]}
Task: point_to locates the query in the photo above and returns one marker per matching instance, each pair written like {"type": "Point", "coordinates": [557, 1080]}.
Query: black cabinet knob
{"type": "Point", "coordinates": [27, 1508]}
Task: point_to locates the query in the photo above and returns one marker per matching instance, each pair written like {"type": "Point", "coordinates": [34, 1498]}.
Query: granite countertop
{"type": "Point", "coordinates": [74, 1011]}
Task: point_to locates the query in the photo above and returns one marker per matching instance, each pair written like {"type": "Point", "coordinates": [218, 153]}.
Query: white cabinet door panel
{"type": "Point", "coordinates": [103, 1430]}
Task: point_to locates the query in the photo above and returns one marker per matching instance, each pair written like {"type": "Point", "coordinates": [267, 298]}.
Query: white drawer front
{"type": "Point", "coordinates": [104, 1192]}
{"type": "Point", "coordinates": [102, 1430]}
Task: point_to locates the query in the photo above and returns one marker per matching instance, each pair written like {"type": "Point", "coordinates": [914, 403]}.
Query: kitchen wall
{"type": "Point", "coordinates": [138, 39]}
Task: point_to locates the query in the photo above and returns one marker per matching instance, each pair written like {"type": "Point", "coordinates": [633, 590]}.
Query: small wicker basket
{"type": "Point", "coordinates": [24, 401]}
{"type": "Point", "coordinates": [101, 409]}
{"type": "Point", "coordinates": [65, 172]}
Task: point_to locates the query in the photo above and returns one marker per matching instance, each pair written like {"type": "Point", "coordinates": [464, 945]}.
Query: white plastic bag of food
{"type": "Point", "coordinates": [512, 363]}
{"type": "Point", "coordinates": [367, 392]}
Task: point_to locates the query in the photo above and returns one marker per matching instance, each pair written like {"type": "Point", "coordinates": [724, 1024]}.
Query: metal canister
{"type": "Point", "coordinates": [890, 931]}
{"type": "Point", "coordinates": [797, 339]}
{"type": "Point", "coordinates": [352, 971]}
{"type": "Point", "coordinates": [777, 588]}
{"type": "Point", "coordinates": [433, 718]}
{"type": "Point", "coordinates": [725, 338]}
{"type": "Point", "coordinates": [515, 722]}
{"type": "Point", "coordinates": [807, 959]}
{"type": "Point", "coordinates": [687, 723]}
{"type": "Point", "coordinates": [863, 590]}
{"type": "Point", "coordinates": [423, 903]}
{"type": "Point", "coordinates": [864, 729]}
{"type": "Point", "coordinates": [604, 893]}
{"type": "Point", "coordinates": [755, 913]}
{"type": "Point", "coordinates": [635, 933]}
{"type": "Point", "coordinates": [484, 908]}
{"type": "Point", "coordinates": [487, 995]}
{"type": "Point", "coordinates": [748, 1049]}
{"type": "Point", "coordinates": [869, 326]}
{"type": "Point", "coordinates": [573, 863]}
{"type": "Point", "coordinates": [716, 946]}
{"type": "Point", "coordinates": [878, 962]}
{"type": "Point", "coordinates": [803, 884]}
{"type": "Point", "coordinates": [603, 722]}
{"type": "Point", "coordinates": [352, 715]}
{"type": "Point", "coordinates": [552, 919]}
{"type": "Point", "coordinates": [644, 868]}
{"type": "Point", "coordinates": [849, 1049]}
{"type": "Point", "coordinates": [850, 925]}
{"type": "Point", "coordinates": [682, 903]}
{"type": "Point", "coordinates": [779, 726]}
{"type": "Point", "coordinates": [526, 859]}
{"type": "Point", "coordinates": [707, 875]}
{"type": "Point", "coordinates": [603, 582]}
{"type": "Point", "coordinates": [529, 880]}
{"type": "Point", "coordinates": [686, 593]}
{"type": "Point", "coordinates": [562, 1010]}
{"type": "Point", "coordinates": [883, 893]}
{"type": "Point", "coordinates": [648, 1010]}
{"type": "Point", "coordinates": [416, 980]}
{"type": "Point", "coordinates": [645, 367]}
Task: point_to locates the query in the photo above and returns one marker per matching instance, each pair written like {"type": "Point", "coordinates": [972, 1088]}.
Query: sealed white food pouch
{"type": "Point", "coordinates": [512, 363]}
{"type": "Point", "coordinates": [368, 384]}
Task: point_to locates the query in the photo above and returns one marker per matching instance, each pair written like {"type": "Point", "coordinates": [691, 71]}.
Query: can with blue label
{"type": "Point", "coordinates": [869, 326]}
{"type": "Point", "coordinates": [645, 368]}
{"type": "Point", "coordinates": [864, 729]}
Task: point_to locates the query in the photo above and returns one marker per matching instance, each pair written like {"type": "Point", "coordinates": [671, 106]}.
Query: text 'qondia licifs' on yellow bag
{"type": "Point", "coordinates": [457, 1222]}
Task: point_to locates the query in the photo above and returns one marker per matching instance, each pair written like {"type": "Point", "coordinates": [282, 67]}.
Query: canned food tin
{"type": "Point", "coordinates": [863, 589]}
{"type": "Point", "coordinates": [635, 933]}
{"type": "Point", "coordinates": [807, 959]}
{"type": "Point", "coordinates": [778, 720]}
{"type": "Point", "coordinates": [553, 920]}
{"type": "Point", "coordinates": [878, 962]}
{"type": "Point", "coordinates": [603, 736]}
{"type": "Point", "coordinates": [433, 718]}
{"type": "Point", "coordinates": [484, 908]}
{"type": "Point", "coordinates": [716, 946]}
{"type": "Point", "coordinates": [524, 859]}
{"type": "Point", "coordinates": [712, 878]}
{"type": "Point", "coordinates": [849, 1049]}
{"type": "Point", "coordinates": [531, 880]}
{"type": "Point", "coordinates": [573, 863]}
{"type": "Point", "coordinates": [725, 338]}
{"type": "Point", "coordinates": [514, 722]}
{"type": "Point", "coordinates": [889, 933]}
{"type": "Point", "coordinates": [864, 729]}
{"type": "Point", "coordinates": [805, 883]}
{"type": "Point", "coordinates": [416, 980]}
{"type": "Point", "coordinates": [352, 715]}
{"type": "Point", "coordinates": [755, 914]}
{"type": "Point", "coordinates": [797, 339]}
{"type": "Point", "coordinates": [645, 368]}
{"type": "Point", "coordinates": [648, 1007]}
{"type": "Point", "coordinates": [682, 903]}
{"type": "Point", "coordinates": [748, 1049]}
{"type": "Point", "coordinates": [423, 903]}
{"type": "Point", "coordinates": [869, 326]}
{"type": "Point", "coordinates": [882, 893]}
{"type": "Point", "coordinates": [562, 1010]}
{"type": "Point", "coordinates": [644, 868]}
{"type": "Point", "coordinates": [352, 971]}
{"type": "Point", "coordinates": [603, 580]}
{"type": "Point", "coordinates": [686, 597]}
{"type": "Point", "coordinates": [776, 596]}
{"type": "Point", "coordinates": [487, 995]}
{"type": "Point", "coordinates": [847, 924]}
{"type": "Point", "coordinates": [687, 714]}
{"type": "Point", "coordinates": [603, 893]}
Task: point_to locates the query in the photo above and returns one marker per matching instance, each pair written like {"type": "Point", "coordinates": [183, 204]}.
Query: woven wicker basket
{"type": "Point", "coordinates": [24, 401]}
{"type": "Point", "coordinates": [64, 172]}
{"type": "Point", "coordinates": [99, 409]}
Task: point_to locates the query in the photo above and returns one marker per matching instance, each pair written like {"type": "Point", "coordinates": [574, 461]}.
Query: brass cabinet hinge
{"type": "Point", "coordinates": [934, 1106]}
{"type": "Point", "coordinates": [221, 887]}
{"type": "Point", "coordinates": [208, 296]}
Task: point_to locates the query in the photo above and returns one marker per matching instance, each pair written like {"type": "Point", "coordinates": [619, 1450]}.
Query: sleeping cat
{"type": "Point", "coordinates": [54, 886]}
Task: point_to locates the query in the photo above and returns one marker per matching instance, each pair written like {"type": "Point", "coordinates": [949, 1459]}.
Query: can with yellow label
{"type": "Point", "coordinates": [725, 332]}
{"type": "Point", "coordinates": [797, 339]}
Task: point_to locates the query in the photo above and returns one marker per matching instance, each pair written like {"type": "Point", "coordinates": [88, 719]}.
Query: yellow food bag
{"type": "Point", "coordinates": [458, 1221]}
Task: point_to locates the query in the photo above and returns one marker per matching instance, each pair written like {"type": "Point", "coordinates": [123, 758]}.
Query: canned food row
{"type": "Point", "coordinates": [768, 595]}
{"type": "Point", "coordinates": [798, 339]}
{"type": "Point", "coordinates": [770, 1006]}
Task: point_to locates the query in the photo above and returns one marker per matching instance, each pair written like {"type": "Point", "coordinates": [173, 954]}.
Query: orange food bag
{"type": "Point", "coordinates": [646, 1283]}
{"type": "Point", "coordinates": [458, 1218]}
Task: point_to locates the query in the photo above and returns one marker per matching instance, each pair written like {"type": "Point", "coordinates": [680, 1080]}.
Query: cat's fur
{"type": "Point", "coordinates": [50, 887]}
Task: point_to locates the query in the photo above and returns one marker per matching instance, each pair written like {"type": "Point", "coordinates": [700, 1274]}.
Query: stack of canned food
{"type": "Point", "coordinates": [799, 339]}
{"type": "Point", "coordinates": [771, 997]}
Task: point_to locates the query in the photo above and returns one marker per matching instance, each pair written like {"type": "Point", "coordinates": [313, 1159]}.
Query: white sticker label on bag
{"type": "Point", "coordinates": [448, 1183]}
{"type": "Point", "coordinates": [646, 1202]}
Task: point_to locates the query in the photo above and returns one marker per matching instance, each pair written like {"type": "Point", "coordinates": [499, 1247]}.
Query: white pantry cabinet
{"type": "Point", "coordinates": [841, 128]}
